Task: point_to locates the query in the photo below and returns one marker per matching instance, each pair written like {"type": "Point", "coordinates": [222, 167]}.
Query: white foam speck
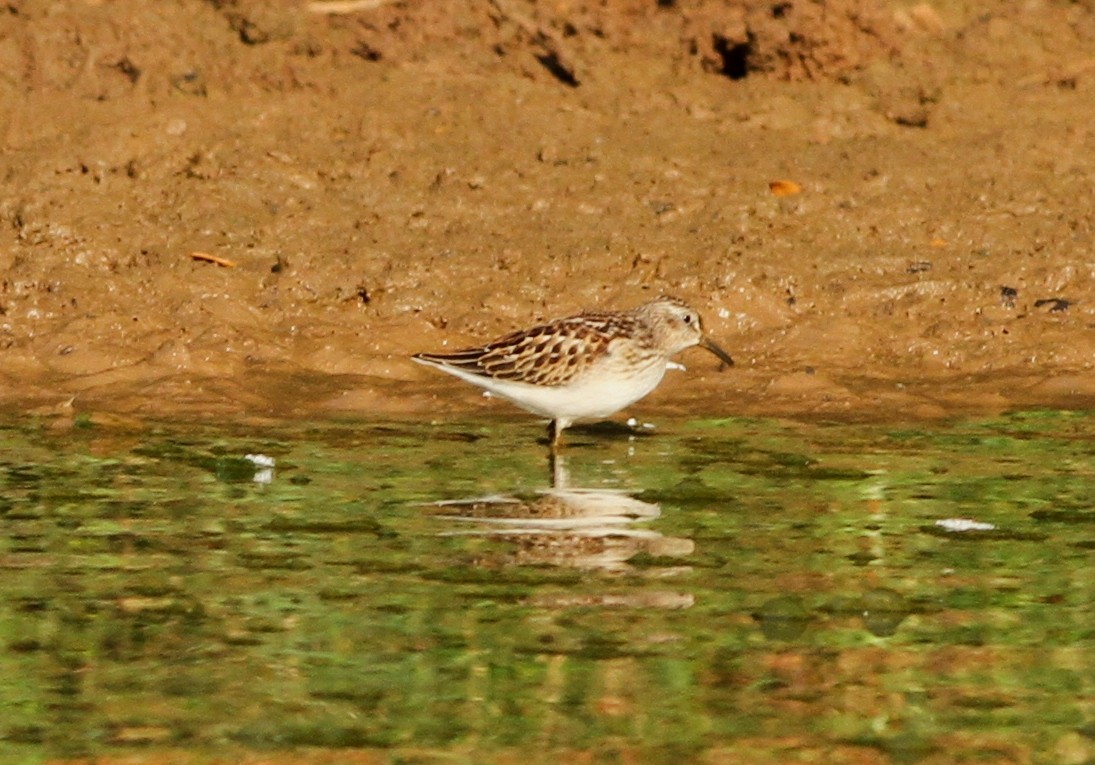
{"type": "Point", "coordinates": [963, 524]}
{"type": "Point", "coordinates": [260, 460]}
{"type": "Point", "coordinates": [264, 467]}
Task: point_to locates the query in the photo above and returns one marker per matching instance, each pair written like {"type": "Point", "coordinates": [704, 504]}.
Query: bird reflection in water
{"type": "Point", "coordinates": [588, 529]}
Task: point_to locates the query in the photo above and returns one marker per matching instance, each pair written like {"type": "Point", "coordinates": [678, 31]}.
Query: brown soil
{"type": "Point", "coordinates": [398, 178]}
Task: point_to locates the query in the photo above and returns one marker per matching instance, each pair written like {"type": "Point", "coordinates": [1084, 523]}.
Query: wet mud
{"type": "Point", "coordinates": [235, 208]}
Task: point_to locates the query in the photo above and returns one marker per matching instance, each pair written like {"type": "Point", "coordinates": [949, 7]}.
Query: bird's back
{"type": "Point", "coordinates": [552, 354]}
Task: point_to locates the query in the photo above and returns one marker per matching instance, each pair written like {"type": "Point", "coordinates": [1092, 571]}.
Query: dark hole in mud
{"type": "Point", "coordinates": [734, 57]}
{"type": "Point", "coordinates": [558, 70]}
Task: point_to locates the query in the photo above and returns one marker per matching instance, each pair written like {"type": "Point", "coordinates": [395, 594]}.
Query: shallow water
{"type": "Point", "coordinates": [716, 591]}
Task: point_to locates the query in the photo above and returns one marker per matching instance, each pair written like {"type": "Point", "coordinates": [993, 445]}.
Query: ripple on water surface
{"type": "Point", "coordinates": [726, 591]}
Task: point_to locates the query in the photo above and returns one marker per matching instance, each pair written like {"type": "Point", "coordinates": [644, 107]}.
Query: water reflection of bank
{"type": "Point", "coordinates": [152, 594]}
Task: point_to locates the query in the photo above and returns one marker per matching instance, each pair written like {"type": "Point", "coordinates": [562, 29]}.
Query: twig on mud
{"type": "Point", "coordinates": [555, 55]}
{"type": "Point", "coordinates": [335, 7]}
{"type": "Point", "coordinates": [207, 258]}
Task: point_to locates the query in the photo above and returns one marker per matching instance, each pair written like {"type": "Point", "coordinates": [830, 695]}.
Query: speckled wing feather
{"type": "Point", "coordinates": [549, 354]}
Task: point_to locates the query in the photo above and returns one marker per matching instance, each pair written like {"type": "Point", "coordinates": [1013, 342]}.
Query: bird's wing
{"type": "Point", "coordinates": [549, 354]}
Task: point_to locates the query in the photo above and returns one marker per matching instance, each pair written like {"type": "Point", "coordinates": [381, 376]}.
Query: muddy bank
{"type": "Point", "coordinates": [882, 209]}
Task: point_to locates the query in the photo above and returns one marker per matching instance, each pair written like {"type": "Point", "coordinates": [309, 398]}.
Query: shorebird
{"type": "Point", "coordinates": [583, 367]}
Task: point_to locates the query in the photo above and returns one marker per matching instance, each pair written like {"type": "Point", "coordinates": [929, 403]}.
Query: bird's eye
{"type": "Point", "coordinates": [688, 318]}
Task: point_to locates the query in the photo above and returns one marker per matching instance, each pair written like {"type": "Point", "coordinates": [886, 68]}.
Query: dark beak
{"type": "Point", "coordinates": [723, 355]}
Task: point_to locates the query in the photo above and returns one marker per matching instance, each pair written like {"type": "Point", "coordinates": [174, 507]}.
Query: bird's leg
{"type": "Point", "coordinates": [554, 458]}
{"type": "Point", "coordinates": [555, 430]}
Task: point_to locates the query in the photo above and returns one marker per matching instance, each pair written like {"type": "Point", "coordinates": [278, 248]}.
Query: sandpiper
{"type": "Point", "coordinates": [583, 367]}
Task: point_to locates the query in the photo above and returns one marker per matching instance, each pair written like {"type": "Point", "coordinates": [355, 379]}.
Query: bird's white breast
{"type": "Point", "coordinates": [601, 392]}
